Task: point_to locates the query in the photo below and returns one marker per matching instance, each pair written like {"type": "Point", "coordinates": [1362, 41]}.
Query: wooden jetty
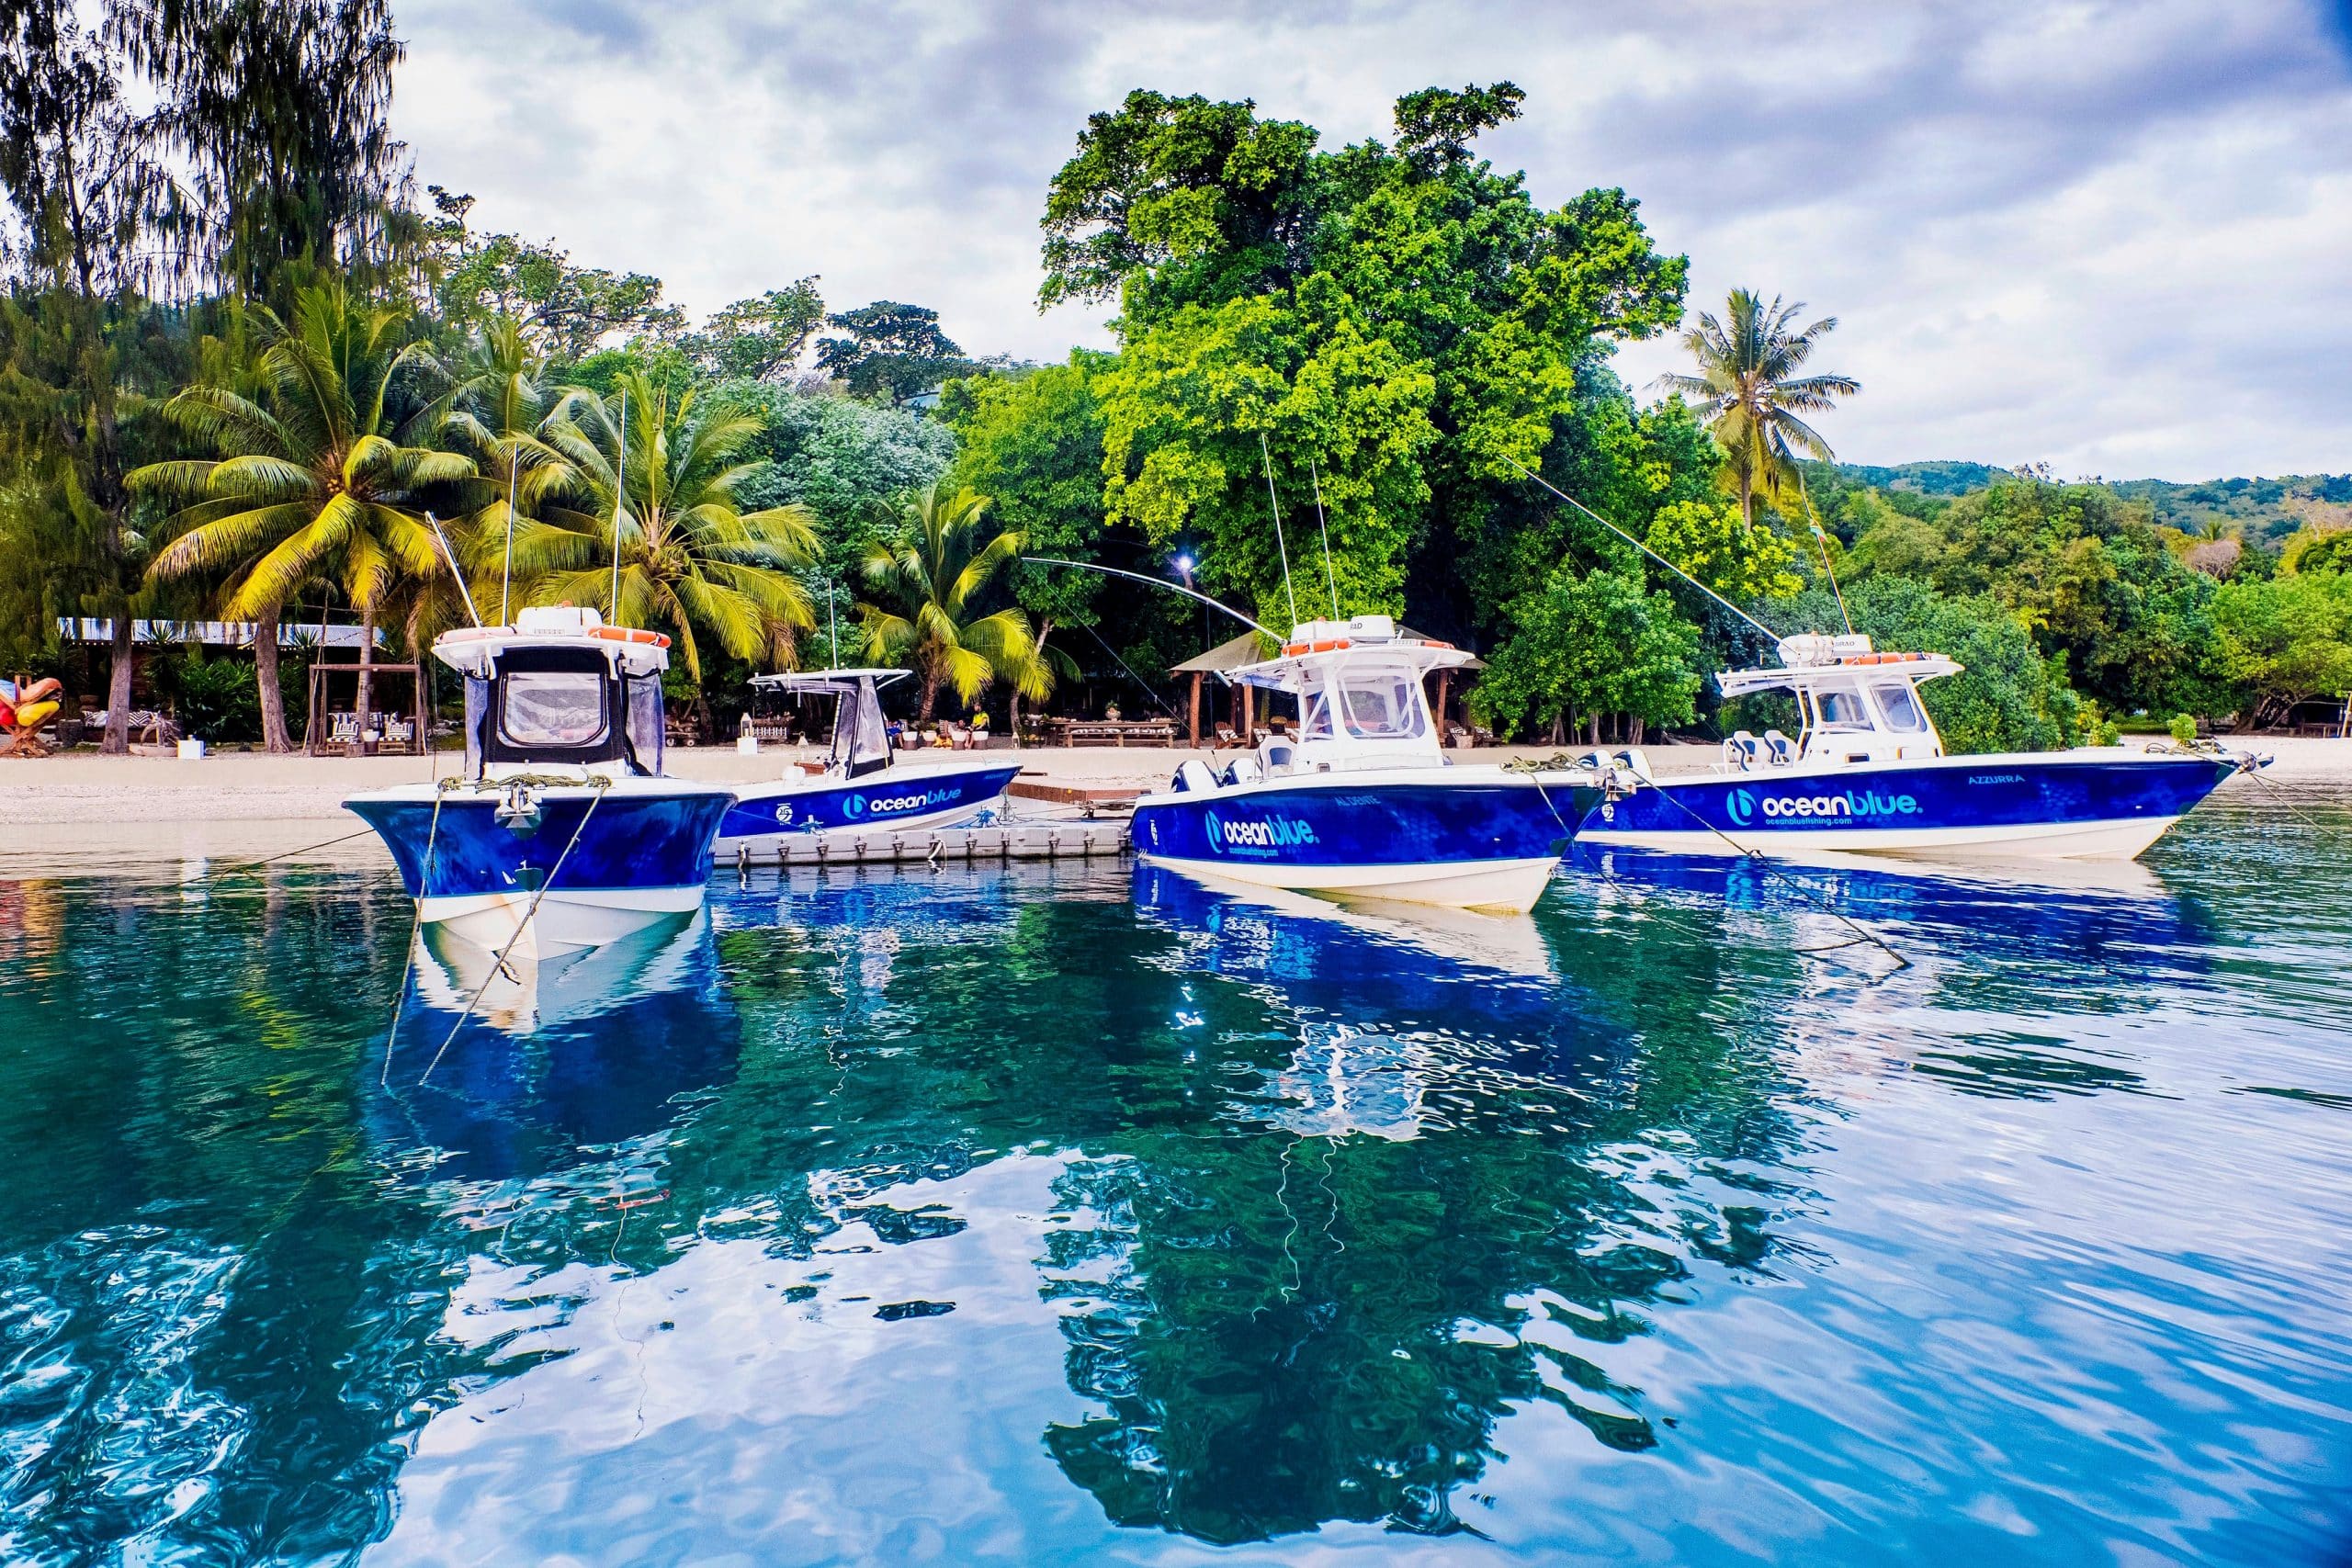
{"type": "Point", "coordinates": [1091, 799]}
{"type": "Point", "coordinates": [1062, 839]}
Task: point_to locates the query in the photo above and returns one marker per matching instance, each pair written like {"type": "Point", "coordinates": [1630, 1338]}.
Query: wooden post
{"type": "Point", "coordinates": [1445, 686]}
{"type": "Point", "coordinates": [1196, 710]}
{"type": "Point", "coordinates": [1247, 705]}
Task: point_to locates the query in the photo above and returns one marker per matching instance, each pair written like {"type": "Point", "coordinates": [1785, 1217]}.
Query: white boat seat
{"type": "Point", "coordinates": [1244, 771]}
{"type": "Point", "coordinates": [1637, 761]}
{"type": "Point", "coordinates": [1192, 776]}
{"type": "Point", "coordinates": [1742, 751]}
{"type": "Point", "coordinates": [1779, 748]}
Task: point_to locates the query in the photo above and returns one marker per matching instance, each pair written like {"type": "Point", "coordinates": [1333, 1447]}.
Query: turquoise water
{"type": "Point", "coordinates": [1074, 1215]}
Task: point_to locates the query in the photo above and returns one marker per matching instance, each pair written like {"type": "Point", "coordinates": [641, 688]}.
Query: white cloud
{"type": "Point", "coordinates": [2109, 236]}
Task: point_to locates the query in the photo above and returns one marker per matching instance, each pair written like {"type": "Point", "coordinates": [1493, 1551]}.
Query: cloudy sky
{"type": "Point", "coordinates": [2114, 237]}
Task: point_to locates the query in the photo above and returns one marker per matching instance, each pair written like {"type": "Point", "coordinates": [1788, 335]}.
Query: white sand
{"type": "Point", "coordinates": [88, 813]}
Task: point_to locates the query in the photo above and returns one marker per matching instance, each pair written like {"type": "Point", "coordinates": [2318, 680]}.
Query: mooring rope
{"type": "Point", "coordinates": [1561, 761]}
{"type": "Point", "coordinates": [288, 854]}
{"type": "Point", "coordinates": [600, 785]}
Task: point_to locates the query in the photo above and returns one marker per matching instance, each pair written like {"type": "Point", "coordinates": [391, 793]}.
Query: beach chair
{"type": "Point", "coordinates": [25, 709]}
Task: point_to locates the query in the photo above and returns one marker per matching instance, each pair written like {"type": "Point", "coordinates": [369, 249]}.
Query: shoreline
{"type": "Point", "coordinates": [78, 812]}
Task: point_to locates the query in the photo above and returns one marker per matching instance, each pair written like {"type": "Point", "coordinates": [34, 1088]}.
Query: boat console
{"type": "Point", "coordinates": [560, 689]}
{"type": "Point", "coordinates": [1854, 705]}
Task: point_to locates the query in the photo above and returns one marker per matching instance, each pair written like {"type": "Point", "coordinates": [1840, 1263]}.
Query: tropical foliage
{"type": "Point", "coordinates": [649, 528]}
{"type": "Point", "coordinates": [307, 480]}
{"type": "Point", "coordinates": [927, 584]}
{"type": "Point", "coordinates": [217, 284]}
{"type": "Point", "coordinates": [1749, 391]}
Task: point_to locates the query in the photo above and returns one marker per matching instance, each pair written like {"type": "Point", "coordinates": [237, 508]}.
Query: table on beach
{"type": "Point", "coordinates": [1070, 732]}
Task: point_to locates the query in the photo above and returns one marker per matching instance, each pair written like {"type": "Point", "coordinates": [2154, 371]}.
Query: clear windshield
{"type": "Point", "coordinates": [1315, 722]}
{"type": "Point", "coordinates": [1840, 708]}
{"type": "Point", "coordinates": [1901, 706]}
{"type": "Point", "coordinates": [1385, 706]}
{"type": "Point", "coordinates": [553, 707]}
{"type": "Point", "coordinates": [646, 721]}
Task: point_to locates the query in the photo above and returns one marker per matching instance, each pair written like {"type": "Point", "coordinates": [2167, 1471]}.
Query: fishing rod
{"type": "Point", "coordinates": [1155, 583]}
{"type": "Point", "coordinates": [1629, 538]}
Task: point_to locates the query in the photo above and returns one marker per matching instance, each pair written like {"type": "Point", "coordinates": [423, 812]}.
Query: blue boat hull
{"type": "Point", "coordinates": [2010, 804]}
{"type": "Point", "coordinates": [888, 799]}
{"type": "Point", "coordinates": [1448, 842]}
{"type": "Point", "coordinates": [632, 843]}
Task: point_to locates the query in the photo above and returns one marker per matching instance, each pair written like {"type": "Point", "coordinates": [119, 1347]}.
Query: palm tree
{"type": "Point", "coordinates": [310, 481]}
{"type": "Point", "coordinates": [691, 563]}
{"type": "Point", "coordinates": [1749, 393]}
{"type": "Point", "coordinates": [498, 408]}
{"type": "Point", "coordinates": [931, 575]}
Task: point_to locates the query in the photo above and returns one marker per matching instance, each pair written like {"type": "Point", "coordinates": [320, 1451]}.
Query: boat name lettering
{"type": "Point", "coordinates": [1744, 807]}
{"type": "Point", "coordinates": [1996, 778]}
{"type": "Point", "coordinates": [858, 805]}
{"type": "Point", "coordinates": [1256, 838]}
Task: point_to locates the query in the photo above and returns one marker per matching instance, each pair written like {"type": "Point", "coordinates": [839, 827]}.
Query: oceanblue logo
{"type": "Point", "coordinates": [1744, 807]}
{"type": "Point", "coordinates": [858, 805]}
{"type": "Point", "coordinates": [1257, 838]}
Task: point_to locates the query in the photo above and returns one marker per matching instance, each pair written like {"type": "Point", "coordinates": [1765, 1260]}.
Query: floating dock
{"type": "Point", "coordinates": [1062, 839]}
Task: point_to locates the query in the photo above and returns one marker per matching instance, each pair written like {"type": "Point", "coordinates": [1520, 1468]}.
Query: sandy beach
{"type": "Point", "coordinates": [83, 810]}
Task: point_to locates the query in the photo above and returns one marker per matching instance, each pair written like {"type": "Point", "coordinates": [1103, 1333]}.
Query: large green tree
{"type": "Point", "coordinates": [1399, 322]}
{"type": "Point", "coordinates": [1587, 646]}
{"type": "Point", "coordinates": [2287, 640]}
{"type": "Point", "coordinates": [1750, 391]}
{"type": "Point", "coordinates": [890, 351]}
{"type": "Point", "coordinates": [2086, 571]}
{"type": "Point", "coordinates": [307, 480]}
{"type": "Point", "coordinates": [278, 111]}
{"type": "Point", "coordinates": [2009, 697]}
{"type": "Point", "coordinates": [565, 309]}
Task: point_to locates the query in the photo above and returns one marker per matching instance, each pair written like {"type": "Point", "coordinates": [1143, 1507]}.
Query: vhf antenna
{"type": "Point", "coordinates": [620, 492]}
{"type": "Point", "coordinates": [1326, 527]}
{"type": "Point", "coordinates": [507, 581]}
{"type": "Point", "coordinates": [1277, 506]}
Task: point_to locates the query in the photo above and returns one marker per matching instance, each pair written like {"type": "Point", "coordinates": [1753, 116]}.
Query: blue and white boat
{"type": "Point", "coordinates": [563, 831]}
{"type": "Point", "coordinates": [1867, 773]}
{"type": "Point", "coordinates": [1361, 799]}
{"type": "Point", "coordinates": [864, 786]}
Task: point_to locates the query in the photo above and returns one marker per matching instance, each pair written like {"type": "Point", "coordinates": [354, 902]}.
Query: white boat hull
{"type": "Point", "coordinates": [568, 919]}
{"type": "Point", "coordinates": [1511, 884]}
{"type": "Point", "coordinates": [2124, 839]}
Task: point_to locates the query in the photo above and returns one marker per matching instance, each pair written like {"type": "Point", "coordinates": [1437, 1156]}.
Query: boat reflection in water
{"type": "Point", "coordinates": [565, 1061]}
{"type": "Point", "coordinates": [1364, 1062]}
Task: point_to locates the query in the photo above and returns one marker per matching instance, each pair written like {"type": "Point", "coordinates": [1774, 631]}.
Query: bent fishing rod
{"type": "Point", "coordinates": [1155, 582]}
{"type": "Point", "coordinates": [1637, 544]}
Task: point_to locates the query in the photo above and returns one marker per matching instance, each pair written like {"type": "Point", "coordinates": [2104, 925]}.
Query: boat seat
{"type": "Point", "coordinates": [1277, 755]}
{"type": "Point", "coordinates": [1244, 771]}
{"type": "Point", "coordinates": [1742, 749]}
{"type": "Point", "coordinates": [1637, 761]}
{"type": "Point", "coordinates": [1192, 776]}
{"type": "Point", "coordinates": [1779, 748]}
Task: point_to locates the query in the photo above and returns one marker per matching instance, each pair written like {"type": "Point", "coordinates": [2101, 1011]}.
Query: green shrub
{"type": "Point", "coordinates": [2183, 729]}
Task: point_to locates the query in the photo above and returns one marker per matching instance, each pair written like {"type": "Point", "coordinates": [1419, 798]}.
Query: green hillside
{"type": "Point", "coordinates": [2261, 510]}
